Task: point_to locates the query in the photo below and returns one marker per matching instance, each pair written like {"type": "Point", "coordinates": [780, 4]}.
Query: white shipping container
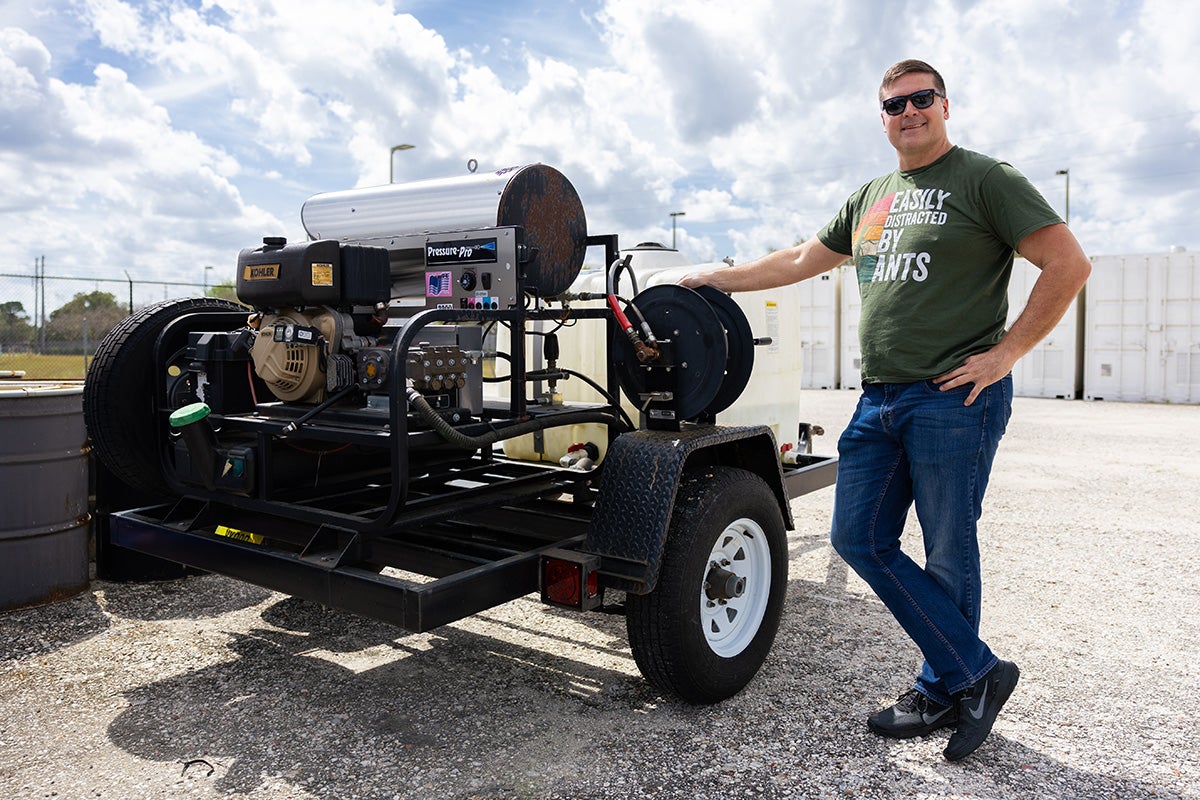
{"type": "Point", "coordinates": [1181, 329]}
{"type": "Point", "coordinates": [1143, 329]}
{"type": "Point", "coordinates": [1053, 368]}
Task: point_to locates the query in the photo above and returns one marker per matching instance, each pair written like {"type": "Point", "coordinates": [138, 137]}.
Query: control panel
{"type": "Point", "coordinates": [473, 270]}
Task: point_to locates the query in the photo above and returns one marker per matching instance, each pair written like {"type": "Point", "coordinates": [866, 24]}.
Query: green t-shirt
{"type": "Point", "coordinates": [933, 248]}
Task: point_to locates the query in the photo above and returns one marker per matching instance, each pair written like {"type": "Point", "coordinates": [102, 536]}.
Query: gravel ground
{"type": "Point", "coordinates": [205, 687]}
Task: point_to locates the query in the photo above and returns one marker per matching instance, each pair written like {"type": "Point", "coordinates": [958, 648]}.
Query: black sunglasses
{"type": "Point", "coordinates": [894, 106]}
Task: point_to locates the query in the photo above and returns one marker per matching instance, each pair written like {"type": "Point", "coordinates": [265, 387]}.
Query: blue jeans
{"type": "Point", "coordinates": [911, 443]}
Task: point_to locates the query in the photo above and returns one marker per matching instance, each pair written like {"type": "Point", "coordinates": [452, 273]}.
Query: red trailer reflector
{"type": "Point", "coordinates": [570, 579]}
{"type": "Point", "coordinates": [563, 584]}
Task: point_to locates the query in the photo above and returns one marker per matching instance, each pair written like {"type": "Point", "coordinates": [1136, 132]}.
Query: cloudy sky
{"type": "Point", "coordinates": [161, 136]}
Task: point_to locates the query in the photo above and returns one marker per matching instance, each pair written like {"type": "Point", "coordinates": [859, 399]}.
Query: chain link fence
{"type": "Point", "coordinates": [51, 325]}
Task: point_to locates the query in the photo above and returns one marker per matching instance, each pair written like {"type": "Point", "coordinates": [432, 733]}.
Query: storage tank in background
{"type": "Point", "coordinates": [850, 374]}
{"type": "Point", "coordinates": [819, 318]}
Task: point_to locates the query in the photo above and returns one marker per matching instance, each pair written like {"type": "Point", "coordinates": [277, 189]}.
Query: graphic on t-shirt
{"type": "Point", "coordinates": [868, 235]}
{"type": "Point", "coordinates": [877, 239]}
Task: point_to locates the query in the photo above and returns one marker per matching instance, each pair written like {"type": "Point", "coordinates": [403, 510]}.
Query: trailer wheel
{"type": "Point", "coordinates": [119, 393]}
{"type": "Point", "coordinates": [706, 628]}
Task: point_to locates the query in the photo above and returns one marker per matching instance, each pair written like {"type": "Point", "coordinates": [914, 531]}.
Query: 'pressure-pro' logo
{"type": "Point", "coordinates": [465, 251]}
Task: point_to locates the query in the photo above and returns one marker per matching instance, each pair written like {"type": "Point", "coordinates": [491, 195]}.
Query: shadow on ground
{"type": "Point", "coordinates": [35, 632]}
{"type": "Point", "coordinates": [339, 706]}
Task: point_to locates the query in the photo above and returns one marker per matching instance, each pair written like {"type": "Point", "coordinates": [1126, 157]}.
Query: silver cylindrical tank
{"type": "Point", "coordinates": [43, 492]}
{"type": "Point", "coordinates": [536, 197]}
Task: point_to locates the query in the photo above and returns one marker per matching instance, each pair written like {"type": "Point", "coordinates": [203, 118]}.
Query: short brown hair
{"type": "Point", "coordinates": [906, 67]}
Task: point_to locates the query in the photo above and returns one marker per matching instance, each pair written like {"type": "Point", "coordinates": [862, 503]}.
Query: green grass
{"type": "Point", "coordinates": [39, 367]}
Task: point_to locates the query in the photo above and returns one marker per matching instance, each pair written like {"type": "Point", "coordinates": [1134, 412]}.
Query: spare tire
{"type": "Point", "coordinates": [119, 393]}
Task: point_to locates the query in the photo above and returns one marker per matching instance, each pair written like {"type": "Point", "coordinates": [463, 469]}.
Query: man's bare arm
{"type": "Point", "coordinates": [805, 260]}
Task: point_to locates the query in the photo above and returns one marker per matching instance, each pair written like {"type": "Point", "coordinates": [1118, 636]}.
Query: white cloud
{"type": "Point", "coordinates": [99, 177]}
{"type": "Point", "coordinates": [191, 129]}
{"type": "Point", "coordinates": [116, 24]}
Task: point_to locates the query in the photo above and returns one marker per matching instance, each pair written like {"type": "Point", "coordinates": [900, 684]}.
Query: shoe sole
{"type": "Point", "coordinates": [893, 733]}
{"type": "Point", "coordinates": [1003, 692]}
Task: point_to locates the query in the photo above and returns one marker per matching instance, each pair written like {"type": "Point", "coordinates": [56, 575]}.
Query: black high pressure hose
{"type": "Point", "coordinates": [448, 432]}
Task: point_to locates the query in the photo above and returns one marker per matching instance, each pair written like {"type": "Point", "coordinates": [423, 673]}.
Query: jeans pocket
{"type": "Point", "coordinates": [937, 390]}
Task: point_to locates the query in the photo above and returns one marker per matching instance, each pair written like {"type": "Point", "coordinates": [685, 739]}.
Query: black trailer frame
{"type": "Point", "coordinates": [477, 558]}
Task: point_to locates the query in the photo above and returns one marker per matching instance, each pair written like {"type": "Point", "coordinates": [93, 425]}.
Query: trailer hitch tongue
{"type": "Point", "coordinates": [721, 584]}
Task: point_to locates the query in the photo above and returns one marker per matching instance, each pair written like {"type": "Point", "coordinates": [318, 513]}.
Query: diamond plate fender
{"type": "Point", "coordinates": [640, 478]}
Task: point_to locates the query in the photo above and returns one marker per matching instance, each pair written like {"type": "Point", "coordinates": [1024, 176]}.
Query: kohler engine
{"type": "Point", "coordinates": [318, 304]}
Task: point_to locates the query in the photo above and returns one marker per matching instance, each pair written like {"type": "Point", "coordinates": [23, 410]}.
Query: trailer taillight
{"type": "Point", "coordinates": [570, 579]}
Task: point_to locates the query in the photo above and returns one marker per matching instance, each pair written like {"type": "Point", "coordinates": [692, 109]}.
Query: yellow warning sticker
{"type": "Point", "coordinates": [241, 536]}
{"type": "Point", "coordinates": [322, 274]}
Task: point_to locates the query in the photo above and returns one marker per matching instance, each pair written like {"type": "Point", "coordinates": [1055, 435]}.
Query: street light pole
{"type": "Point", "coordinates": [392, 160]}
{"type": "Point", "coordinates": [1067, 173]}
{"type": "Point", "coordinates": [674, 216]}
{"type": "Point", "coordinates": [207, 269]}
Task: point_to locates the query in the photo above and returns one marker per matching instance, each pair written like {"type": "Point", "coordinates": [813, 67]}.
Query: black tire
{"type": "Point", "coordinates": [685, 641]}
{"type": "Point", "coordinates": [119, 393]}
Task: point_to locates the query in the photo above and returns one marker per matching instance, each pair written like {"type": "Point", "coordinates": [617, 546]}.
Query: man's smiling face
{"type": "Point", "coordinates": [918, 134]}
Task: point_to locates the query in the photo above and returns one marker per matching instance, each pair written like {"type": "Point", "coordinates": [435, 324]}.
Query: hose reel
{"type": "Point", "coordinates": [705, 354]}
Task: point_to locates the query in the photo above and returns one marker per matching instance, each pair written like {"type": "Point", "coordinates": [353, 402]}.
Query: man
{"type": "Point", "coordinates": [933, 246]}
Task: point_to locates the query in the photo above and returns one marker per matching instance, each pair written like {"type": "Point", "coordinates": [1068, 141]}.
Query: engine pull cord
{"type": "Point", "coordinates": [645, 350]}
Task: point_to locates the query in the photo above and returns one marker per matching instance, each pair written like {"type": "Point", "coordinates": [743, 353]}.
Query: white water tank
{"type": "Point", "coordinates": [771, 397]}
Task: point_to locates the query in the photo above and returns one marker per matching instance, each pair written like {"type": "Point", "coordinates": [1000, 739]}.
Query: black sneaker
{"type": "Point", "coordinates": [914, 714]}
{"type": "Point", "coordinates": [978, 707]}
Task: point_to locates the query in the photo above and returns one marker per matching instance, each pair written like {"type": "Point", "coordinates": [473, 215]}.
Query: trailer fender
{"type": "Point", "coordinates": [639, 481]}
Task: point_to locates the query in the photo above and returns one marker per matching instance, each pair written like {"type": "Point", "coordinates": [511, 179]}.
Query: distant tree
{"type": "Point", "coordinates": [101, 311]}
{"type": "Point", "coordinates": [14, 324]}
{"type": "Point", "coordinates": [224, 291]}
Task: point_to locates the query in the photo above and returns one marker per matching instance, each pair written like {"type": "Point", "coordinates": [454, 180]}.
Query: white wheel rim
{"type": "Point", "coordinates": [730, 625]}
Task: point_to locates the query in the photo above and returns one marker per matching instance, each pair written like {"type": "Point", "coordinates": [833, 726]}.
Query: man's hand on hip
{"type": "Point", "coordinates": [981, 370]}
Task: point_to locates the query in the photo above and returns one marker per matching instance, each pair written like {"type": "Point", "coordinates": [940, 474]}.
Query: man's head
{"type": "Point", "coordinates": [911, 65]}
{"type": "Point", "coordinates": [914, 110]}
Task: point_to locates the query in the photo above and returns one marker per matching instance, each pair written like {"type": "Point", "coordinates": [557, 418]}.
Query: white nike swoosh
{"type": "Point", "coordinates": [931, 718]}
{"type": "Point", "coordinates": [977, 711]}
